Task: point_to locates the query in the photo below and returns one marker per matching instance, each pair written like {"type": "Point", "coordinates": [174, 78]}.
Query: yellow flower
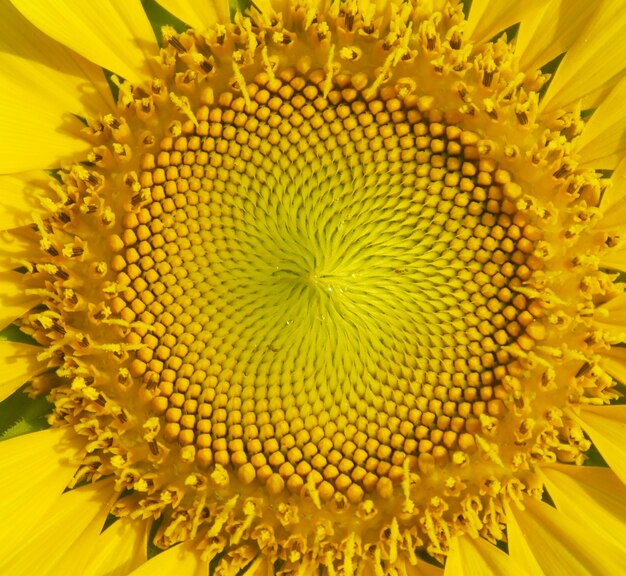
{"type": "Point", "coordinates": [330, 288]}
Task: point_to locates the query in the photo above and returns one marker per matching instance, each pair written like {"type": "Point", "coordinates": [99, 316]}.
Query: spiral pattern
{"type": "Point", "coordinates": [332, 288]}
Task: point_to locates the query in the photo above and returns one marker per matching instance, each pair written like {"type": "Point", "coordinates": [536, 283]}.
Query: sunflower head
{"type": "Point", "coordinates": [330, 291]}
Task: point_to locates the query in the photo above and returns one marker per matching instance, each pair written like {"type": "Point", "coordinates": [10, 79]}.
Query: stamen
{"type": "Point", "coordinates": [183, 105]}
{"type": "Point", "coordinates": [241, 83]}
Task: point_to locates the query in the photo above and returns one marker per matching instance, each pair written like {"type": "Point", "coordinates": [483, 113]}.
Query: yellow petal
{"type": "Point", "coordinates": [616, 192]}
{"type": "Point", "coordinates": [611, 317]}
{"type": "Point", "coordinates": [17, 247]}
{"type": "Point", "coordinates": [277, 6]}
{"type": "Point", "coordinates": [615, 258]}
{"type": "Point", "coordinates": [19, 198]}
{"type": "Point", "coordinates": [552, 30]}
{"type": "Point", "coordinates": [603, 142]}
{"type": "Point", "coordinates": [115, 552]}
{"type": "Point", "coordinates": [614, 362]}
{"type": "Point", "coordinates": [471, 556]}
{"type": "Point", "coordinates": [115, 34]}
{"type": "Point", "coordinates": [43, 85]}
{"type": "Point", "coordinates": [613, 220]}
{"type": "Point", "coordinates": [595, 62]}
{"type": "Point", "coordinates": [19, 364]}
{"type": "Point", "coordinates": [613, 204]}
{"type": "Point", "coordinates": [199, 15]}
{"type": "Point", "coordinates": [35, 470]}
{"type": "Point", "coordinates": [261, 566]}
{"type": "Point", "coordinates": [425, 569]}
{"type": "Point", "coordinates": [265, 6]}
{"type": "Point", "coordinates": [606, 426]}
{"type": "Point", "coordinates": [123, 545]}
{"type": "Point", "coordinates": [547, 542]}
{"type": "Point", "coordinates": [593, 496]}
{"type": "Point", "coordinates": [20, 38]}
{"type": "Point", "coordinates": [51, 540]}
{"type": "Point", "coordinates": [489, 17]}
{"type": "Point", "coordinates": [43, 115]}
{"type": "Point", "coordinates": [182, 560]}
{"type": "Point", "coordinates": [14, 301]}
{"type": "Point", "coordinates": [613, 201]}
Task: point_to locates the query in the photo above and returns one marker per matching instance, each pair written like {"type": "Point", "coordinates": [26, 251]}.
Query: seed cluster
{"type": "Point", "coordinates": [330, 284]}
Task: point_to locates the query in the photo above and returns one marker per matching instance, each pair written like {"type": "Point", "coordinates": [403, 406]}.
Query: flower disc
{"type": "Point", "coordinates": [351, 287]}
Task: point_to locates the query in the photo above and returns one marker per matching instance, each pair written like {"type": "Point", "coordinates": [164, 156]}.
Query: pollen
{"type": "Point", "coordinates": [304, 307]}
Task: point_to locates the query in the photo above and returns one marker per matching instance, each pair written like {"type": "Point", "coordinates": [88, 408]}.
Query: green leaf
{"type": "Point", "coordinates": [467, 5]}
{"type": "Point", "coordinates": [20, 414]}
{"type": "Point", "coordinates": [13, 334]}
{"type": "Point", "coordinates": [153, 550]}
{"type": "Point", "coordinates": [238, 6]}
{"type": "Point", "coordinates": [160, 17]}
{"type": "Point", "coordinates": [594, 458]}
{"type": "Point", "coordinates": [115, 91]}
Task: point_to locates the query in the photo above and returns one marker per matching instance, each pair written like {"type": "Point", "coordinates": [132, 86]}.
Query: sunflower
{"type": "Point", "coordinates": [313, 287]}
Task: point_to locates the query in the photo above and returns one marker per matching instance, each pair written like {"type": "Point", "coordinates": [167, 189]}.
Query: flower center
{"type": "Point", "coordinates": [334, 304]}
